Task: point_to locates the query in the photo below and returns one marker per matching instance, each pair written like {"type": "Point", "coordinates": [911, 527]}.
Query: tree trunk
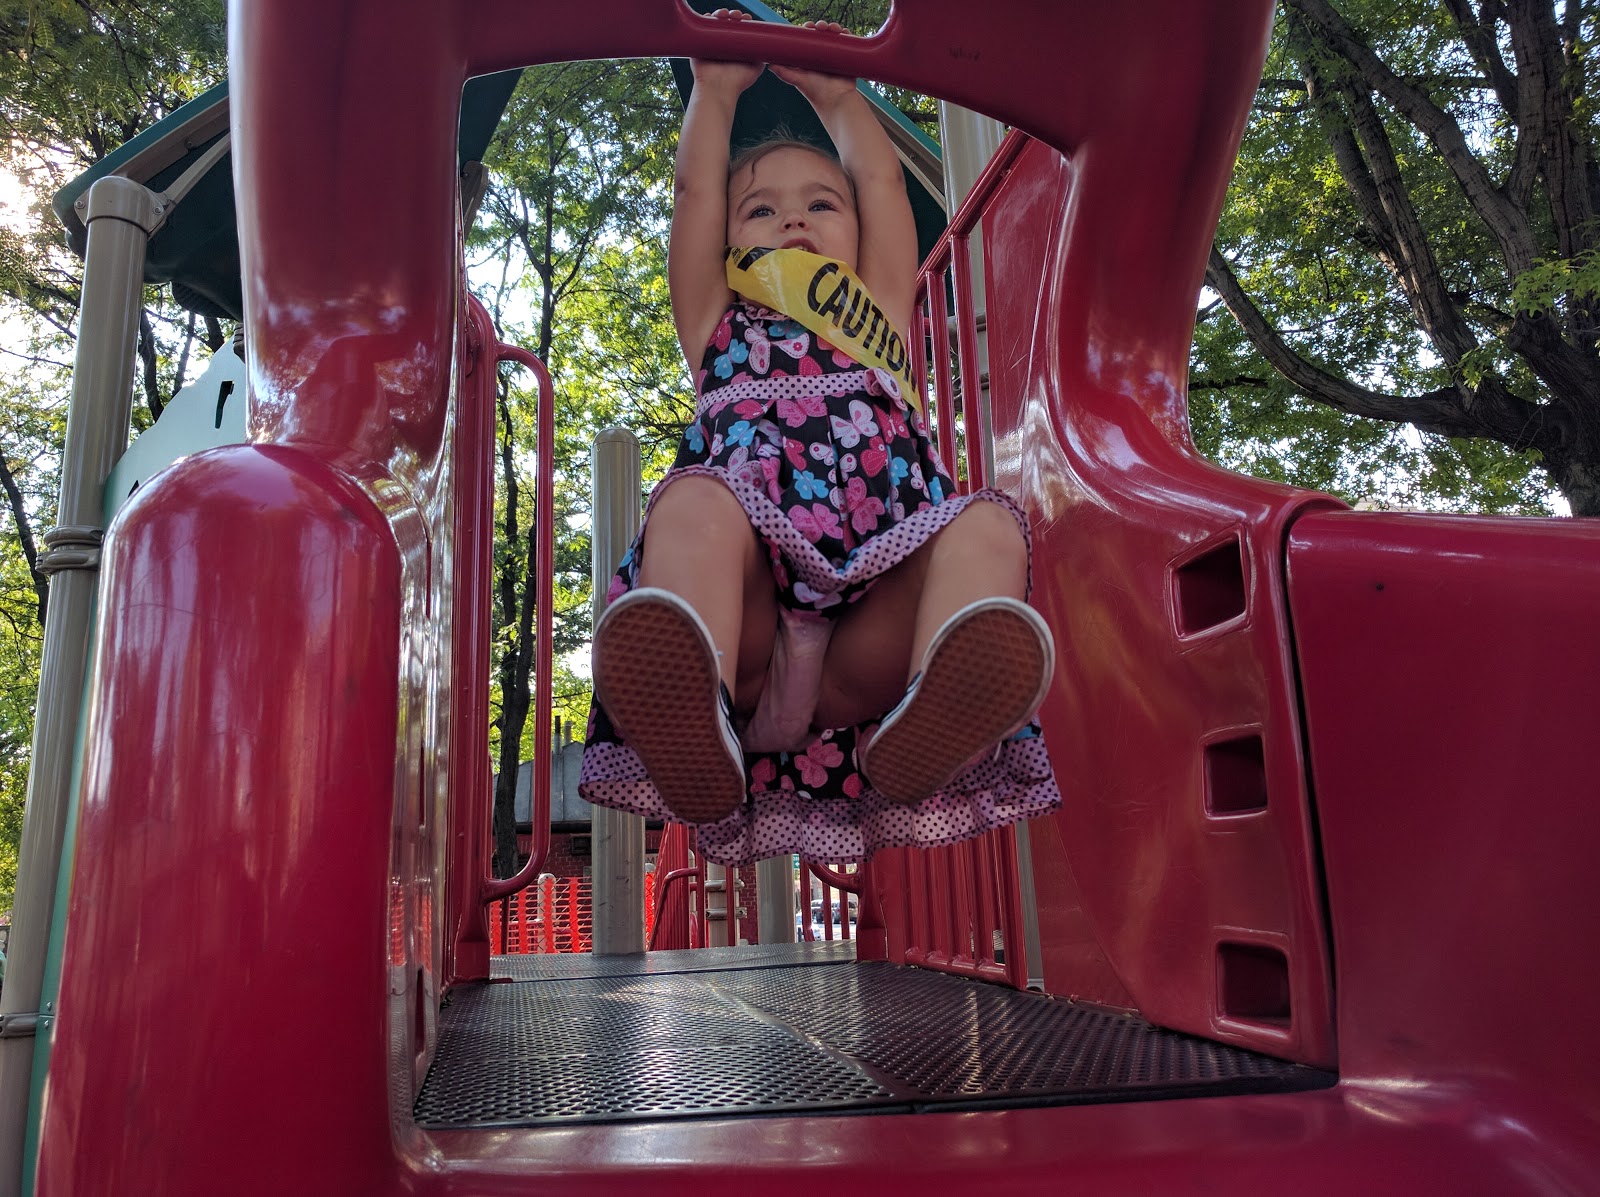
{"type": "Point", "coordinates": [516, 670]}
{"type": "Point", "coordinates": [147, 356]}
{"type": "Point", "coordinates": [30, 551]}
{"type": "Point", "coordinates": [514, 665]}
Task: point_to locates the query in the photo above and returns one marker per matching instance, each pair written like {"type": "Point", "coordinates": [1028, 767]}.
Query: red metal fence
{"type": "Point", "coordinates": [555, 914]}
{"type": "Point", "coordinates": [956, 909]}
{"type": "Point", "coordinates": [551, 915]}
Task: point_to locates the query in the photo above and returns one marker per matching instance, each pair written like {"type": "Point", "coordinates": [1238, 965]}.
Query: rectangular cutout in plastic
{"type": "Point", "coordinates": [1208, 590]}
{"type": "Point", "coordinates": [1254, 983]}
{"type": "Point", "coordinates": [1236, 776]}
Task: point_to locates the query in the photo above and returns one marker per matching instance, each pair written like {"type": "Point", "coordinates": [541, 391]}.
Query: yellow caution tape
{"type": "Point", "coordinates": [824, 296]}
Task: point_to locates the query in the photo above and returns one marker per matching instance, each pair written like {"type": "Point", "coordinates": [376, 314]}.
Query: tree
{"type": "Point", "coordinates": [571, 228]}
{"type": "Point", "coordinates": [30, 440]}
{"type": "Point", "coordinates": [1411, 238]}
{"type": "Point", "coordinates": [77, 78]}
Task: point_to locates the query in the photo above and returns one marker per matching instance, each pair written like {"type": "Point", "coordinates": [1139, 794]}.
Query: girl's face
{"type": "Point", "coordinates": [794, 197]}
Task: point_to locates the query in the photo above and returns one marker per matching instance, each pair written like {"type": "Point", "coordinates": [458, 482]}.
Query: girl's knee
{"type": "Point", "coordinates": [695, 492]}
{"type": "Point", "coordinates": [697, 505]}
{"type": "Point", "coordinates": [989, 528]}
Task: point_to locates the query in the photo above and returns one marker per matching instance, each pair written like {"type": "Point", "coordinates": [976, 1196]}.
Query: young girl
{"type": "Point", "coordinates": [813, 644]}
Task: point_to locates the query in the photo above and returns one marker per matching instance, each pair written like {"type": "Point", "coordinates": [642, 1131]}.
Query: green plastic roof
{"type": "Point", "coordinates": [197, 250]}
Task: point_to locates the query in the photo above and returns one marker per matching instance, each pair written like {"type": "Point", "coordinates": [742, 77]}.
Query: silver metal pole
{"type": "Point", "coordinates": [967, 140]}
{"type": "Point", "coordinates": [718, 897]}
{"type": "Point", "coordinates": [121, 216]}
{"type": "Point", "coordinates": [775, 899]}
{"type": "Point", "coordinates": [617, 844]}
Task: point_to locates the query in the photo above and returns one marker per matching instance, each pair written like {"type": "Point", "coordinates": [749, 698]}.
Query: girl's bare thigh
{"type": "Point", "coordinates": [703, 549]}
{"type": "Point", "coordinates": [869, 656]}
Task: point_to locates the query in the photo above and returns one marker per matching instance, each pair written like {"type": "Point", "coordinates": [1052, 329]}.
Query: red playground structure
{"type": "Point", "coordinates": [1317, 914]}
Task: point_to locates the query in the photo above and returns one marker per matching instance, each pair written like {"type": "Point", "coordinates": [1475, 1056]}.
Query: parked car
{"type": "Point", "coordinates": [818, 927]}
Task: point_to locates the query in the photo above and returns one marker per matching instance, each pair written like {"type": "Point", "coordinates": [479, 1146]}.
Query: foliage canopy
{"type": "Point", "coordinates": [1410, 239]}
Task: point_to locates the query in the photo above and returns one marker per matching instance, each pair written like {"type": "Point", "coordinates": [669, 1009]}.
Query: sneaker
{"type": "Point", "coordinates": [984, 675]}
{"type": "Point", "coordinates": [655, 673]}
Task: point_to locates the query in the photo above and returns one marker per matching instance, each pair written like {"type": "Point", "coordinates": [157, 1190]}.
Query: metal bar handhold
{"type": "Point", "coordinates": [544, 639]}
{"type": "Point", "coordinates": [75, 546]}
{"type": "Point", "coordinates": [22, 1025]}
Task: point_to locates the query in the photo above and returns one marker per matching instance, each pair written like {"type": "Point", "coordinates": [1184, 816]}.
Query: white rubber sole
{"type": "Point", "coordinates": [983, 676]}
{"type": "Point", "coordinates": [655, 673]}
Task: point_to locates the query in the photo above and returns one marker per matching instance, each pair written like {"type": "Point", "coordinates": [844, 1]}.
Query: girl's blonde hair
{"type": "Point", "coordinates": [750, 155]}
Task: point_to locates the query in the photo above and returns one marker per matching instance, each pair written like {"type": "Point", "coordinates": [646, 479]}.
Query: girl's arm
{"type": "Point", "coordinates": [695, 274]}
{"type": "Point", "coordinates": [887, 258]}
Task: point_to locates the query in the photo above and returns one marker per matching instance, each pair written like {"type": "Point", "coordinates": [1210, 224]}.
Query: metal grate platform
{"type": "Point", "coordinates": [799, 1029]}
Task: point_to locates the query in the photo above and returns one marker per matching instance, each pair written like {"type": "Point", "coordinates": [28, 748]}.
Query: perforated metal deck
{"type": "Point", "coordinates": [793, 1029]}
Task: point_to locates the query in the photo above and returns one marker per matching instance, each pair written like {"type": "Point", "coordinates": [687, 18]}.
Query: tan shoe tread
{"type": "Point", "coordinates": [980, 684]}
{"type": "Point", "coordinates": [656, 676]}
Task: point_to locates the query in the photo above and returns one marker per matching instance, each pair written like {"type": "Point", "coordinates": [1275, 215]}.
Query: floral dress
{"type": "Point", "coordinates": [840, 482]}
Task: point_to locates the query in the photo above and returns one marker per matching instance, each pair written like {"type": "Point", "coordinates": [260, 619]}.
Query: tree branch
{"type": "Point", "coordinates": [1478, 32]}
{"type": "Point", "coordinates": [1462, 82]}
{"type": "Point", "coordinates": [1448, 411]}
{"type": "Point", "coordinates": [1228, 384]}
{"type": "Point", "coordinates": [1366, 160]}
{"type": "Point", "coordinates": [1550, 142]}
{"type": "Point", "coordinates": [147, 355]}
{"type": "Point", "coordinates": [183, 357]}
{"type": "Point", "coordinates": [508, 474]}
{"type": "Point", "coordinates": [1507, 222]}
{"type": "Point", "coordinates": [30, 551]}
{"type": "Point", "coordinates": [34, 359]}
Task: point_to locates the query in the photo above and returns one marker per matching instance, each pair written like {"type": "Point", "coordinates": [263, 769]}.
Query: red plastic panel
{"type": "Point", "coordinates": [262, 848]}
{"type": "Point", "coordinates": [1334, 1143]}
{"type": "Point", "coordinates": [1452, 675]}
{"type": "Point", "coordinates": [349, 244]}
{"type": "Point", "coordinates": [228, 935]}
{"type": "Point", "coordinates": [466, 918]}
{"type": "Point", "coordinates": [1183, 857]}
{"type": "Point", "coordinates": [1075, 964]}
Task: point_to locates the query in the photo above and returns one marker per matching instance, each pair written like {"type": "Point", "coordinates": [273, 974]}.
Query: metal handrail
{"type": "Point", "coordinates": [951, 255]}
{"type": "Point", "coordinates": [960, 897]}
{"type": "Point", "coordinates": [544, 641]}
{"type": "Point", "coordinates": [832, 879]}
{"type": "Point", "coordinates": [849, 882]}
{"type": "Point", "coordinates": [663, 885]}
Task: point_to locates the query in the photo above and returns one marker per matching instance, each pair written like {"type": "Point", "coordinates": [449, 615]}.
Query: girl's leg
{"type": "Point", "coordinates": [967, 681]}
{"type": "Point", "coordinates": [880, 643]}
{"type": "Point", "coordinates": [701, 547]}
{"type": "Point", "coordinates": [654, 672]}
{"type": "Point", "coordinates": [865, 669]}
{"type": "Point", "coordinates": [980, 555]}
